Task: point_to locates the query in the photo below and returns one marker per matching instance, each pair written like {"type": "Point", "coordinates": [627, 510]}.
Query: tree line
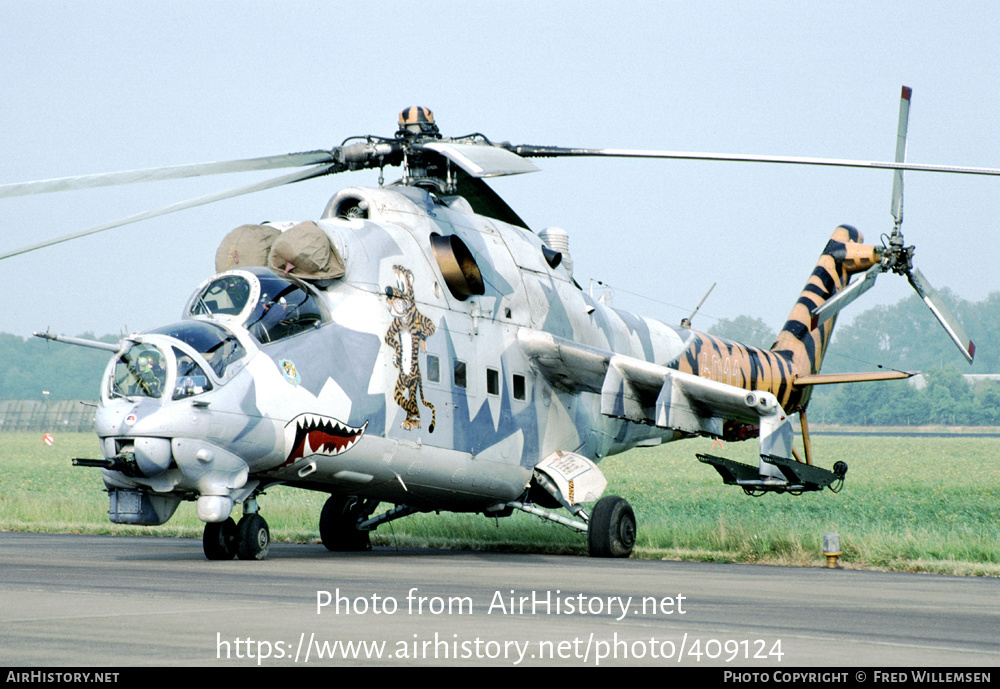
{"type": "Point", "coordinates": [29, 367]}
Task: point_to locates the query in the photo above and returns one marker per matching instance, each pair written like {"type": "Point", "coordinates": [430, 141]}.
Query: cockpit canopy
{"type": "Point", "coordinates": [151, 368]}
{"type": "Point", "coordinates": [271, 306]}
{"type": "Point", "coordinates": [140, 371]}
{"type": "Point", "coordinates": [218, 346]}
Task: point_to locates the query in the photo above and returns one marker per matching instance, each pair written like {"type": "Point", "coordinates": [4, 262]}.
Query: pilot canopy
{"type": "Point", "coordinates": [272, 307]}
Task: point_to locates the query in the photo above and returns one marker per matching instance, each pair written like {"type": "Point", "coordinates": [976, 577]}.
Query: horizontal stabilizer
{"type": "Point", "coordinates": [829, 378]}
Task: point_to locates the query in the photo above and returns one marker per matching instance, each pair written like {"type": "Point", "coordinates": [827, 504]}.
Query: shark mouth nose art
{"type": "Point", "coordinates": [312, 434]}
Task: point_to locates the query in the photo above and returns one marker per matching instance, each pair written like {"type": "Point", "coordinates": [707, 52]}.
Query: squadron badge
{"type": "Point", "coordinates": [289, 371]}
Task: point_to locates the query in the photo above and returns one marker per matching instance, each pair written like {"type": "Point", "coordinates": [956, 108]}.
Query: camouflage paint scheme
{"type": "Point", "coordinates": [335, 408]}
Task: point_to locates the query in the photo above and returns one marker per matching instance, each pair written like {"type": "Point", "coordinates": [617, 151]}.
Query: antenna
{"type": "Point", "coordinates": [686, 322]}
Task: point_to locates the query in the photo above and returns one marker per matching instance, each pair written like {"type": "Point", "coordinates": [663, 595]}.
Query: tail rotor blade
{"type": "Point", "coordinates": [831, 307]}
{"type": "Point", "coordinates": [944, 315]}
{"type": "Point", "coordinates": [897, 177]}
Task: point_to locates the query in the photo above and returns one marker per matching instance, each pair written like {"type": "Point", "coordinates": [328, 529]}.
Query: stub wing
{"type": "Point", "coordinates": [635, 390]}
{"type": "Point", "coordinates": [647, 393]}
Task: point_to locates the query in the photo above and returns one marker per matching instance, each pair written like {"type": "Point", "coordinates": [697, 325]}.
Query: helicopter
{"type": "Point", "coordinates": [420, 346]}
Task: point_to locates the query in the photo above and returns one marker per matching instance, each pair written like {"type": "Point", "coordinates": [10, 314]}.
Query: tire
{"type": "Point", "coordinates": [611, 530]}
{"type": "Point", "coordinates": [219, 540]}
{"type": "Point", "coordinates": [337, 524]}
{"type": "Point", "coordinates": [253, 538]}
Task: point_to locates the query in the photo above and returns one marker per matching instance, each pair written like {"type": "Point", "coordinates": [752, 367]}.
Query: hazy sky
{"type": "Point", "coordinates": [102, 86]}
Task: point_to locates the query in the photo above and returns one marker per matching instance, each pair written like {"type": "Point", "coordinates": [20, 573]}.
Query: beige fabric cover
{"type": "Point", "coordinates": [245, 247]}
{"type": "Point", "coordinates": [305, 251]}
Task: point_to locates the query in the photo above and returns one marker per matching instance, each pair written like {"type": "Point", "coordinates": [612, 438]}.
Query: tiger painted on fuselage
{"type": "Point", "coordinates": [407, 335]}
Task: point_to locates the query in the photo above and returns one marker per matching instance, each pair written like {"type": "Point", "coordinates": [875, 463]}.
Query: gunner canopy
{"type": "Point", "coordinates": [151, 368]}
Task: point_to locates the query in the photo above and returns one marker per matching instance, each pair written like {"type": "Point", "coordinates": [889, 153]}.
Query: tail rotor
{"type": "Point", "coordinates": [895, 256]}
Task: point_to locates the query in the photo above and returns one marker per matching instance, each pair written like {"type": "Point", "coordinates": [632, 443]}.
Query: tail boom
{"type": "Point", "coordinates": [845, 255]}
{"type": "Point", "coordinates": [799, 348]}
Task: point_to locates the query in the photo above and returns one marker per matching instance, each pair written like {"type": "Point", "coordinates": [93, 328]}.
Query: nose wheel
{"type": "Point", "coordinates": [253, 538]}
{"type": "Point", "coordinates": [250, 539]}
{"type": "Point", "coordinates": [219, 540]}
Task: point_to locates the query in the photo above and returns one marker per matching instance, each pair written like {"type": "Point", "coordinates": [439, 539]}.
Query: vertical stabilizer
{"type": "Point", "coordinates": [843, 256]}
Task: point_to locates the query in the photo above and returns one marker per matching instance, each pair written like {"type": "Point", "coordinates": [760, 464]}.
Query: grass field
{"type": "Point", "coordinates": [909, 503]}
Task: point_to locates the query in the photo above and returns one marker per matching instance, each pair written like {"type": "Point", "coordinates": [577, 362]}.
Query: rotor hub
{"type": "Point", "coordinates": [417, 120]}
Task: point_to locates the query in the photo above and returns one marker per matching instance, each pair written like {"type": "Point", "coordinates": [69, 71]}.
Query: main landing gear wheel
{"type": "Point", "coordinates": [219, 540]}
{"type": "Point", "coordinates": [611, 529]}
{"type": "Point", "coordinates": [338, 522]}
{"type": "Point", "coordinates": [253, 538]}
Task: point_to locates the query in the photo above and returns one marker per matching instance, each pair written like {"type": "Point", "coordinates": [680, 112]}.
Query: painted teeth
{"type": "Point", "coordinates": [312, 434]}
{"type": "Point", "coordinates": [312, 422]}
{"type": "Point", "coordinates": [328, 449]}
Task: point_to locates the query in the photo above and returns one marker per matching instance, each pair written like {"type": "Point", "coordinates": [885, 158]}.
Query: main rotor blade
{"type": "Point", "coordinates": [481, 161]}
{"type": "Point", "coordinates": [556, 152]}
{"type": "Point", "coordinates": [944, 315]}
{"type": "Point", "coordinates": [183, 205]}
{"type": "Point", "coordinates": [161, 173]}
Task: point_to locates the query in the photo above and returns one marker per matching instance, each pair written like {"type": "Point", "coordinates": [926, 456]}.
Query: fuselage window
{"type": "Point", "coordinates": [460, 379]}
{"type": "Point", "coordinates": [492, 381]}
{"type": "Point", "coordinates": [433, 368]}
{"type": "Point", "coordinates": [519, 387]}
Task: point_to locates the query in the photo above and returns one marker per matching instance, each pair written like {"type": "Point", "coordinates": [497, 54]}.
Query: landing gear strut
{"type": "Point", "coordinates": [610, 526]}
